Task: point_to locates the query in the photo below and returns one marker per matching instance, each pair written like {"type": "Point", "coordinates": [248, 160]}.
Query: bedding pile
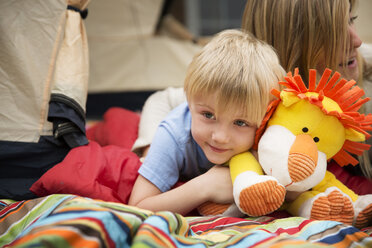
{"type": "Point", "coordinates": [71, 221]}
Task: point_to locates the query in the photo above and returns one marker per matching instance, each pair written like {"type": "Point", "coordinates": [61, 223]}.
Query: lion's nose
{"type": "Point", "coordinates": [303, 157]}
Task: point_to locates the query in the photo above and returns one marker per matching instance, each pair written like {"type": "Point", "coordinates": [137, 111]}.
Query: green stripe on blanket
{"type": "Point", "coordinates": [72, 221]}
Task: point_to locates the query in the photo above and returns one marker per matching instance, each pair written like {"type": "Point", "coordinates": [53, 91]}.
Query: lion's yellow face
{"type": "Point", "coordinates": [301, 117]}
{"type": "Point", "coordinates": [305, 118]}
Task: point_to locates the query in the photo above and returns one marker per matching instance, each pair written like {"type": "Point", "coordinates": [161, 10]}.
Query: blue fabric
{"type": "Point", "coordinates": [61, 113]}
{"type": "Point", "coordinates": [174, 155]}
{"type": "Point", "coordinates": [23, 163]}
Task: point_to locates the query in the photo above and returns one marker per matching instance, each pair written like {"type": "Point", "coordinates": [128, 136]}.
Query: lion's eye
{"type": "Point", "coordinates": [305, 130]}
{"type": "Point", "coordinates": [316, 139]}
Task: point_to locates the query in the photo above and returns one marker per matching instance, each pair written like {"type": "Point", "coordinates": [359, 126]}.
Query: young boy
{"type": "Point", "coordinates": [228, 88]}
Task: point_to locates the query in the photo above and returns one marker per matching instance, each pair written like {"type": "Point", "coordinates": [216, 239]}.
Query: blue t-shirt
{"type": "Point", "coordinates": [174, 155]}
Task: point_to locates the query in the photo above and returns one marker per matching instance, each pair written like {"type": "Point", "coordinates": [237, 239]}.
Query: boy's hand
{"type": "Point", "coordinates": [218, 185]}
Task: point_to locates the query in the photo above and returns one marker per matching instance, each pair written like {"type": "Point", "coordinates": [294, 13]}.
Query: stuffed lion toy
{"type": "Point", "coordinates": [302, 130]}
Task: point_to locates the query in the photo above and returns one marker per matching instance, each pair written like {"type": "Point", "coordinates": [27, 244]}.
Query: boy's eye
{"type": "Point", "coordinates": [208, 115]}
{"type": "Point", "coordinates": [352, 19]}
{"type": "Point", "coordinates": [241, 123]}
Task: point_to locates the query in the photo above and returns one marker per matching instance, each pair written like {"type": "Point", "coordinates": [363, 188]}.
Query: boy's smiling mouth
{"type": "Point", "coordinates": [218, 150]}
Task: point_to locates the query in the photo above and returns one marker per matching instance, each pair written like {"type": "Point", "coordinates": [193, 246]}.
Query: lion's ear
{"type": "Point", "coordinates": [288, 98]}
{"type": "Point", "coordinates": [353, 135]}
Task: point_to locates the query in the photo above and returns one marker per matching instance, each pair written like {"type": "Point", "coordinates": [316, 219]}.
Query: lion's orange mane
{"type": "Point", "coordinates": [345, 93]}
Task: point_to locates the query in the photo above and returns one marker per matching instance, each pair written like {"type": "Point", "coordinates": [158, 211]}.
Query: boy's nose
{"type": "Point", "coordinates": [220, 136]}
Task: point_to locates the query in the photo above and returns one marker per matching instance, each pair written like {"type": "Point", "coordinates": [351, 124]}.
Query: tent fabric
{"type": "Point", "coordinates": [43, 82]}
{"type": "Point", "coordinates": [43, 50]}
{"type": "Point", "coordinates": [123, 19]}
{"type": "Point", "coordinates": [151, 63]}
{"type": "Point", "coordinates": [29, 44]}
{"type": "Point", "coordinates": [127, 55]}
{"type": "Point", "coordinates": [72, 64]}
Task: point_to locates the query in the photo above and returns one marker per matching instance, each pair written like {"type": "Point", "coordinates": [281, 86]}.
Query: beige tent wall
{"type": "Point", "coordinates": [43, 51]}
{"type": "Point", "coordinates": [29, 43]}
{"type": "Point", "coordinates": [364, 21]}
{"type": "Point", "coordinates": [125, 55]}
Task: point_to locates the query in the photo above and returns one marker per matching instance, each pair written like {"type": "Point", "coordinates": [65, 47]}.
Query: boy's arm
{"type": "Point", "coordinates": [214, 185]}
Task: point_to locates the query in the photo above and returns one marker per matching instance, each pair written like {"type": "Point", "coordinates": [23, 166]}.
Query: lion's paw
{"type": "Point", "coordinates": [258, 195]}
{"type": "Point", "coordinates": [363, 211]}
{"type": "Point", "coordinates": [332, 205]}
{"type": "Point", "coordinates": [211, 208]}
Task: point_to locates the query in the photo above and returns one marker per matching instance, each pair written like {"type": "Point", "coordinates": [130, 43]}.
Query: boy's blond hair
{"type": "Point", "coordinates": [241, 69]}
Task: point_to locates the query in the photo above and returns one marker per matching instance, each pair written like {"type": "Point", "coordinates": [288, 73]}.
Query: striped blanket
{"type": "Point", "coordinates": [72, 221]}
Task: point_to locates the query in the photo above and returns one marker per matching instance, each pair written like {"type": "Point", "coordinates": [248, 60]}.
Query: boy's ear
{"type": "Point", "coordinates": [288, 98]}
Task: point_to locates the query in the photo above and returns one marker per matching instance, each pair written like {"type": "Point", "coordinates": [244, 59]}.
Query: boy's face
{"type": "Point", "coordinates": [220, 135]}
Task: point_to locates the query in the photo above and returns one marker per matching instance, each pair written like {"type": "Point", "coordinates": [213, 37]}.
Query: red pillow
{"type": "Point", "coordinates": [107, 173]}
{"type": "Point", "coordinates": [359, 184]}
{"type": "Point", "coordinates": [119, 127]}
